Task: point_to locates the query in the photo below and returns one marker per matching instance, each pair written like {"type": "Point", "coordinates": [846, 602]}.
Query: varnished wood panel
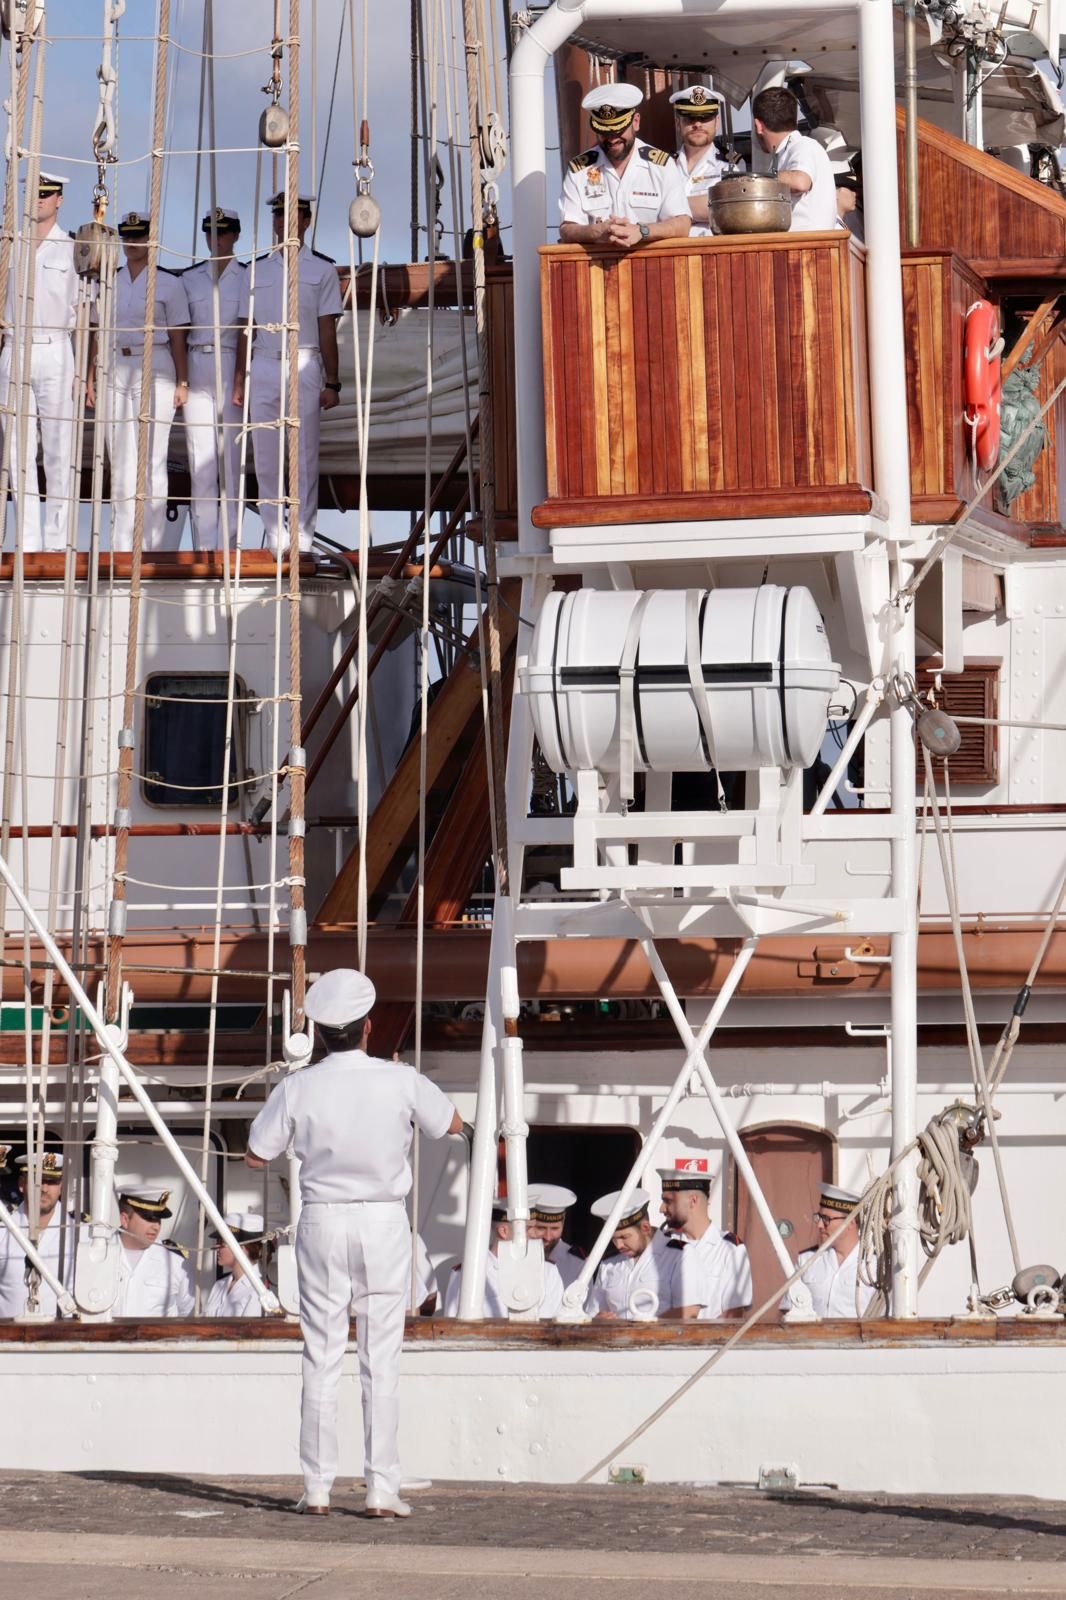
{"type": "Point", "coordinates": [711, 376]}
{"type": "Point", "coordinates": [938, 289]}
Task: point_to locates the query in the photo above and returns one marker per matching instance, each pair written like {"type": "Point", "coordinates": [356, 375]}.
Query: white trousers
{"type": "Point", "coordinates": [202, 424]}
{"type": "Point", "coordinates": [269, 445]}
{"type": "Point", "coordinates": [125, 410]}
{"type": "Point", "coordinates": [352, 1257]}
{"type": "Point", "coordinates": [50, 409]}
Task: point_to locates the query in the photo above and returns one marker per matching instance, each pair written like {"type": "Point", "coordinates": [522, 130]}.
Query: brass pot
{"type": "Point", "coordinates": [750, 204]}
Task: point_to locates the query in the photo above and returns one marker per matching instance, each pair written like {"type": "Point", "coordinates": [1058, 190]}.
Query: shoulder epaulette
{"type": "Point", "coordinates": [658, 158]}
{"type": "Point", "coordinates": [731, 1237]}
{"type": "Point", "coordinates": [71, 234]}
{"type": "Point", "coordinates": [322, 257]}
{"type": "Point", "coordinates": [171, 272]}
{"type": "Point", "coordinates": [675, 1244]}
{"type": "Point", "coordinates": [586, 159]}
{"type": "Point", "coordinates": [266, 255]}
{"type": "Point", "coordinates": [175, 1248]}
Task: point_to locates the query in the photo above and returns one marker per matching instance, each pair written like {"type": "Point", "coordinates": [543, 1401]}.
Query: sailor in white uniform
{"type": "Point", "coordinates": [622, 193]}
{"type": "Point", "coordinates": [715, 1273]}
{"type": "Point", "coordinates": [548, 1205]}
{"type": "Point", "coordinates": [698, 159]}
{"type": "Point", "coordinates": [170, 388]}
{"type": "Point", "coordinates": [796, 160]}
{"type": "Point", "coordinates": [494, 1305]}
{"type": "Point", "coordinates": [642, 1281]}
{"type": "Point", "coordinates": [51, 386]}
{"type": "Point", "coordinates": [350, 1120]}
{"type": "Point", "coordinates": [318, 361]}
{"type": "Point", "coordinates": [833, 1278]}
{"type": "Point", "coordinates": [153, 1275]}
{"type": "Point", "coordinates": [233, 1294]}
{"type": "Point", "coordinates": [209, 432]}
{"type": "Point", "coordinates": [14, 1266]}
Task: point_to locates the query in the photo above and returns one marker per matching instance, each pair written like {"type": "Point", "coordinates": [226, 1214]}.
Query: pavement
{"type": "Point", "coordinates": [110, 1536]}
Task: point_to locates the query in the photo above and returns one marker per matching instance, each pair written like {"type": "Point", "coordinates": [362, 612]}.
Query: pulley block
{"type": "Point", "coordinates": [274, 127]}
{"type": "Point", "coordinates": [364, 216]}
{"type": "Point", "coordinates": [92, 242]}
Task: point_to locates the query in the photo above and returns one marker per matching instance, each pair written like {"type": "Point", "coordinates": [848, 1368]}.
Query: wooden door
{"type": "Point", "coordinates": [791, 1163]}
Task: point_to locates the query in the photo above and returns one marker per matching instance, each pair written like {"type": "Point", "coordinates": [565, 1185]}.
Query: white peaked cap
{"type": "Point", "coordinates": [606, 1203]}
{"type": "Point", "coordinates": [625, 96]}
{"type": "Point", "coordinates": [244, 1221]}
{"type": "Point", "coordinates": [339, 997]}
{"type": "Point", "coordinates": [550, 1197]}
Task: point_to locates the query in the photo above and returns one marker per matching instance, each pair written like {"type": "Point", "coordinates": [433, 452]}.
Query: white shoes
{"type": "Point", "coordinates": [383, 1505]}
{"type": "Point", "coordinates": [313, 1505]}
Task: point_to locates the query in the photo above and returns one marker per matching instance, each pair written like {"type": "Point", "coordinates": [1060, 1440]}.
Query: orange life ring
{"type": "Point", "coordinates": [983, 386]}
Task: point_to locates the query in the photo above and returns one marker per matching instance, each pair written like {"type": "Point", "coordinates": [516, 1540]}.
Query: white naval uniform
{"type": "Point", "coordinates": [551, 1301]}
{"type": "Point", "coordinates": [171, 311]}
{"type": "Point", "coordinates": [319, 296]}
{"type": "Point", "coordinates": [233, 1297]}
{"type": "Point", "coordinates": [833, 1282]}
{"type": "Point", "coordinates": [154, 1282]}
{"type": "Point", "coordinates": [656, 1271]}
{"type": "Point", "coordinates": [13, 1289]}
{"type": "Point", "coordinates": [202, 418]}
{"type": "Point", "coordinates": [50, 402]}
{"type": "Point", "coordinates": [699, 179]}
{"type": "Point", "coordinates": [815, 210]}
{"type": "Point", "coordinates": [349, 1120]}
{"type": "Point", "coordinates": [715, 1274]}
{"type": "Point", "coordinates": [567, 1262]}
{"type": "Point", "coordinates": [650, 189]}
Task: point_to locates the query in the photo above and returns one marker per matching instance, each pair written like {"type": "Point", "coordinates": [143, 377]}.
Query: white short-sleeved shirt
{"type": "Point", "coordinates": [567, 1262]}
{"type": "Point", "coordinates": [656, 1270]}
{"type": "Point", "coordinates": [171, 308]}
{"type": "Point", "coordinates": [153, 1283]}
{"type": "Point", "coordinates": [833, 1282]}
{"type": "Point", "coordinates": [13, 1290]}
{"type": "Point", "coordinates": [650, 189]}
{"type": "Point", "coordinates": [350, 1121]}
{"type": "Point", "coordinates": [715, 1274]}
{"type": "Point", "coordinates": [55, 285]}
{"type": "Point", "coordinates": [704, 173]}
{"type": "Point", "coordinates": [199, 283]}
{"type": "Point", "coordinates": [550, 1304]}
{"type": "Point", "coordinates": [814, 211]}
{"type": "Point", "coordinates": [320, 296]}
{"type": "Point", "coordinates": [233, 1297]}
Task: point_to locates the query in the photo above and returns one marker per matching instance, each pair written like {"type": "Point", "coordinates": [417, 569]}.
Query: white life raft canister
{"type": "Point", "coordinates": [680, 680]}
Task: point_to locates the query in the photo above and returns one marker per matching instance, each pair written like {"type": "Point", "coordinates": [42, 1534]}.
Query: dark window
{"type": "Point", "coordinates": [184, 739]}
{"type": "Point", "coordinates": [973, 692]}
{"type": "Point", "coordinates": [591, 1161]}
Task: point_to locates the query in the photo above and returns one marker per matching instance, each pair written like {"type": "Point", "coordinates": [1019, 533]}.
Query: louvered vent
{"type": "Point", "coordinates": [973, 692]}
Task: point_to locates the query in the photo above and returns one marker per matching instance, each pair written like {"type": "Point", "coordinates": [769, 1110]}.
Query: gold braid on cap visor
{"type": "Point", "coordinates": [610, 120]}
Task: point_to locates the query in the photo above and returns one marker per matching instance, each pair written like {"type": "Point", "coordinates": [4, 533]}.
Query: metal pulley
{"type": "Point", "coordinates": [274, 127]}
{"type": "Point", "coordinates": [939, 733]}
{"type": "Point", "coordinates": [1037, 1287]}
{"type": "Point", "coordinates": [364, 213]}
{"type": "Point", "coordinates": [92, 243]}
{"type": "Point", "coordinates": [21, 17]}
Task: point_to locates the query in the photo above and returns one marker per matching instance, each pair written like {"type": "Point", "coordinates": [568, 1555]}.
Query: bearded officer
{"type": "Point", "coordinates": [318, 361]}
{"type": "Point", "coordinates": [833, 1278]}
{"type": "Point", "coordinates": [494, 1306]}
{"type": "Point", "coordinates": [153, 1275]}
{"type": "Point", "coordinates": [715, 1273]}
{"type": "Point", "coordinates": [50, 394]}
{"type": "Point", "coordinates": [15, 1269]}
{"type": "Point", "coordinates": [211, 434]}
{"type": "Point", "coordinates": [696, 111]}
{"type": "Point", "coordinates": [164, 326]}
{"type": "Point", "coordinates": [233, 1294]}
{"type": "Point", "coordinates": [621, 193]}
{"type": "Point", "coordinates": [350, 1120]}
{"type": "Point", "coordinates": [548, 1205]}
{"type": "Point", "coordinates": [642, 1281]}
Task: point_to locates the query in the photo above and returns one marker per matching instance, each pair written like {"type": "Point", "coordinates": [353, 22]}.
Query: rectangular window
{"type": "Point", "coordinates": [973, 692]}
{"type": "Point", "coordinates": [184, 739]}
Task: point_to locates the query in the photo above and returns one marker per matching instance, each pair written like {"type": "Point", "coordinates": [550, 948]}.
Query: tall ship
{"type": "Point", "coordinates": [668, 713]}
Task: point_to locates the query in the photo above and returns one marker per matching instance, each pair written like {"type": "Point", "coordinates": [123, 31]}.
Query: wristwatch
{"type": "Point", "coordinates": [336, 387]}
{"type": "Point", "coordinates": [645, 231]}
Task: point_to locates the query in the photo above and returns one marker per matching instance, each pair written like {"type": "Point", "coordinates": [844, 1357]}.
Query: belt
{"type": "Point", "coordinates": [276, 355]}
{"type": "Point", "coordinates": [208, 349]}
{"type": "Point", "coordinates": [137, 350]}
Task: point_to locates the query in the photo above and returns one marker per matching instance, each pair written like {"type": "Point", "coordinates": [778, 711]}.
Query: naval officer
{"type": "Point", "coordinates": [350, 1120]}
{"type": "Point", "coordinates": [548, 1205]}
{"type": "Point", "coordinates": [318, 361]}
{"type": "Point", "coordinates": [833, 1278]}
{"type": "Point", "coordinates": [696, 111]}
{"type": "Point", "coordinates": [50, 396]}
{"type": "Point", "coordinates": [494, 1306]}
{"type": "Point", "coordinates": [796, 160]}
{"type": "Point", "coordinates": [643, 1280]}
{"type": "Point", "coordinates": [211, 434]}
{"type": "Point", "coordinates": [14, 1266]}
{"type": "Point", "coordinates": [166, 333]}
{"type": "Point", "coordinates": [621, 193]}
{"type": "Point", "coordinates": [715, 1270]}
{"type": "Point", "coordinates": [153, 1275]}
{"type": "Point", "coordinates": [233, 1294]}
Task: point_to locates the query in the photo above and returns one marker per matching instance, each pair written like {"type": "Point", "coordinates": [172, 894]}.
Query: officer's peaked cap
{"type": "Point", "coordinates": [340, 997]}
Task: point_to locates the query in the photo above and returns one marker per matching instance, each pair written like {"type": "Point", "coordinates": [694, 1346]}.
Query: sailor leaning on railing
{"type": "Point", "coordinates": [621, 193]}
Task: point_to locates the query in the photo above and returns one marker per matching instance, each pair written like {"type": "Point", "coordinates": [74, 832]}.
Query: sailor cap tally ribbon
{"type": "Point", "coordinates": [833, 1199]}
{"type": "Point", "coordinates": [611, 106]}
{"type": "Point", "coordinates": [304, 202]}
{"type": "Point", "coordinates": [688, 1172]}
{"type": "Point", "coordinates": [549, 1202]}
{"type": "Point", "coordinates": [339, 998]}
{"type": "Point", "coordinates": [695, 101]}
{"type": "Point", "coordinates": [134, 226]}
{"type": "Point", "coordinates": [149, 1203]}
{"type": "Point", "coordinates": [222, 218]}
{"type": "Point", "coordinates": [636, 1209]}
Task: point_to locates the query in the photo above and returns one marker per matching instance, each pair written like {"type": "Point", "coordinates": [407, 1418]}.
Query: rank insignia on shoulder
{"type": "Point", "coordinates": [176, 1248]}
{"type": "Point", "coordinates": [675, 1244]}
{"type": "Point", "coordinates": [658, 158]}
{"type": "Point", "coordinates": [586, 159]}
{"type": "Point", "coordinates": [732, 1238]}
